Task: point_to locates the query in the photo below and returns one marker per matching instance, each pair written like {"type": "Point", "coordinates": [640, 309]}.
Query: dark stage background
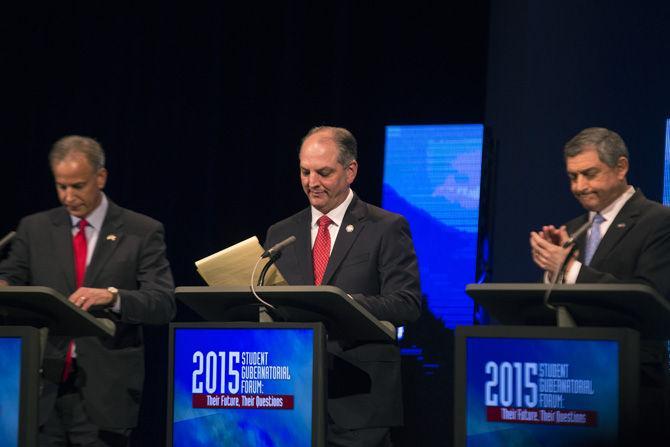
{"type": "Point", "coordinates": [201, 105]}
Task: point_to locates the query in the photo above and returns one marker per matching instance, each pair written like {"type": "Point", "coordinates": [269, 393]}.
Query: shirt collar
{"type": "Point", "coordinates": [337, 213]}
{"type": "Point", "coordinates": [611, 211]}
{"type": "Point", "coordinates": [97, 217]}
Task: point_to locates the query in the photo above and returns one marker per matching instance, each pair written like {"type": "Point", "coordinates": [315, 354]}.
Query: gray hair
{"type": "Point", "coordinates": [344, 140]}
{"type": "Point", "coordinates": [86, 146]}
{"type": "Point", "coordinates": [609, 145]}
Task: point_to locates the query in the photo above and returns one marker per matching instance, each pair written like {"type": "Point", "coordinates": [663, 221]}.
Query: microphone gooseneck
{"type": "Point", "coordinates": [5, 240]}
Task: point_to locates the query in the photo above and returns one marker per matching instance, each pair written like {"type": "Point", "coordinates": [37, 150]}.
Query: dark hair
{"type": "Point", "coordinates": [344, 140]}
{"type": "Point", "coordinates": [86, 146]}
{"type": "Point", "coordinates": [609, 144]}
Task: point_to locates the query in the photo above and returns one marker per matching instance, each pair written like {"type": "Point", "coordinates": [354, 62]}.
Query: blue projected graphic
{"type": "Point", "coordinates": [10, 389]}
{"type": "Point", "coordinates": [432, 177]}
{"type": "Point", "coordinates": [666, 171]}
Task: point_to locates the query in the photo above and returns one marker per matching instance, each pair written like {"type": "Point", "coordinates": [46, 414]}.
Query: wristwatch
{"type": "Point", "coordinates": [115, 295]}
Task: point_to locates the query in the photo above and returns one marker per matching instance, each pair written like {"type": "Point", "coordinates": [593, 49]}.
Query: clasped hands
{"type": "Point", "coordinates": [546, 247]}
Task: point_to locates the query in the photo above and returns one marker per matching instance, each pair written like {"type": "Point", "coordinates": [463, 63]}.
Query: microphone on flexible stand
{"type": "Point", "coordinates": [277, 248]}
{"type": "Point", "coordinates": [562, 316]}
{"type": "Point", "coordinates": [273, 253]}
{"type": "Point", "coordinates": [571, 242]}
{"type": "Point", "coordinates": [581, 230]}
{"type": "Point", "coordinates": [5, 240]}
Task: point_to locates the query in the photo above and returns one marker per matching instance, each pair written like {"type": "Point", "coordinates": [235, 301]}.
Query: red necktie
{"type": "Point", "coordinates": [79, 247]}
{"type": "Point", "coordinates": [321, 249]}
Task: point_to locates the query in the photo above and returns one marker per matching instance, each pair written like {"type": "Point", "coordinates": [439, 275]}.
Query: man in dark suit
{"type": "Point", "coordinates": [634, 232]}
{"type": "Point", "coordinates": [368, 253]}
{"type": "Point", "coordinates": [107, 260]}
{"type": "Point", "coordinates": [629, 242]}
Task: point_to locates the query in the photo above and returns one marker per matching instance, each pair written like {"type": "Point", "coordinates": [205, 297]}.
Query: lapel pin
{"type": "Point", "coordinates": [349, 228]}
{"type": "Point", "coordinates": [621, 225]}
{"type": "Point", "coordinates": [111, 237]}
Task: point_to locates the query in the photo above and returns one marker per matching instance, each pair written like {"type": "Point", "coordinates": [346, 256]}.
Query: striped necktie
{"type": "Point", "coordinates": [321, 249]}
{"type": "Point", "coordinates": [593, 239]}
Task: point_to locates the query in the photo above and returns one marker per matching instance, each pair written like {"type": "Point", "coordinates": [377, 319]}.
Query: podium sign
{"type": "Point", "coordinates": [554, 386]}
{"type": "Point", "coordinates": [246, 384]}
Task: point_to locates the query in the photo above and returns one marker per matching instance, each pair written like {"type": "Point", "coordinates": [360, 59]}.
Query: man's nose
{"type": "Point", "coordinates": [313, 179]}
{"type": "Point", "coordinates": [580, 183]}
{"type": "Point", "coordinates": [69, 195]}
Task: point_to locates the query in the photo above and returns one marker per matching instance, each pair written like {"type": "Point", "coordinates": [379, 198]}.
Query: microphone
{"type": "Point", "coordinates": [277, 248]}
{"type": "Point", "coordinates": [5, 240]}
{"type": "Point", "coordinates": [562, 317]}
{"type": "Point", "coordinates": [273, 253]}
{"type": "Point", "coordinates": [581, 230]}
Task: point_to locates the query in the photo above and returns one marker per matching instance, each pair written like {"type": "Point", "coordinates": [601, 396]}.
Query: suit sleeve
{"type": "Point", "coordinates": [652, 261]}
{"type": "Point", "coordinates": [153, 301]}
{"type": "Point", "coordinates": [399, 299]}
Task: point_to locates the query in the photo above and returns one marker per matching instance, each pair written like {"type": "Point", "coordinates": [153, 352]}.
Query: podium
{"type": "Point", "coordinates": [635, 306]}
{"type": "Point", "coordinates": [43, 307]}
{"type": "Point", "coordinates": [527, 378]}
{"type": "Point", "coordinates": [343, 317]}
{"type": "Point", "coordinates": [231, 332]}
{"type": "Point", "coordinates": [27, 316]}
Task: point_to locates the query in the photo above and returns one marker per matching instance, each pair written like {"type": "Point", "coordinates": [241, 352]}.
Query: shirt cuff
{"type": "Point", "coordinates": [116, 308]}
{"type": "Point", "coordinates": [572, 273]}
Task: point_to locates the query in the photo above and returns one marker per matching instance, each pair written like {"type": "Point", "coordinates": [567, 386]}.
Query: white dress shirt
{"type": "Point", "coordinates": [609, 213]}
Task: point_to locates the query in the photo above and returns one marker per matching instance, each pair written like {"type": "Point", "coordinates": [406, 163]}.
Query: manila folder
{"type": "Point", "coordinates": [233, 266]}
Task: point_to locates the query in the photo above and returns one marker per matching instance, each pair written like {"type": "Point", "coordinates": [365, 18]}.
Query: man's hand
{"type": "Point", "coordinates": [86, 297]}
{"type": "Point", "coordinates": [3, 283]}
{"type": "Point", "coordinates": [556, 236]}
{"type": "Point", "coordinates": [547, 250]}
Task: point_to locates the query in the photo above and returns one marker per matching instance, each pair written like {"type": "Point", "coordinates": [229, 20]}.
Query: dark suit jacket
{"type": "Point", "coordinates": [635, 249]}
{"type": "Point", "coordinates": [377, 265]}
{"type": "Point", "coordinates": [133, 261]}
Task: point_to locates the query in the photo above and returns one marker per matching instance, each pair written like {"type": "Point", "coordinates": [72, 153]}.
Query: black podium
{"type": "Point", "coordinates": [294, 308]}
{"type": "Point", "coordinates": [578, 382]}
{"type": "Point", "coordinates": [27, 316]}
{"type": "Point", "coordinates": [634, 306]}
{"type": "Point", "coordinates": [343, 317]}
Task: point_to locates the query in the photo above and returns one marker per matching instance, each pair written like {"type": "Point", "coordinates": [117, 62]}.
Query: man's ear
{"type": "Point", "coordinates": [622, 167]}
{"type": "Point", "coordinates": [352, 170]}
{"type": "Point", "coordinates": [101, 178]}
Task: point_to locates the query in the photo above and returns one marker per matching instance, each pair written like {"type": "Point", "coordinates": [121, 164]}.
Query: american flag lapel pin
{"type": "Point", "coordinates": [111, 237]}
{"type": "Point", "coordinates": [621, 225]}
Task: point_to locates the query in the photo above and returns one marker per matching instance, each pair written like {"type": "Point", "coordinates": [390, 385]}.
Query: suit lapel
{"type": "Point", "coordinates": [354, 220]}
{"type": "Point", "coordinates": [109, 238]}
{"type": "Point", "coordinates": [303, 247]}
{"type": "Point", "coordinates": [61, 237]}
{"type": "Point", "coordinates": [622, 224]}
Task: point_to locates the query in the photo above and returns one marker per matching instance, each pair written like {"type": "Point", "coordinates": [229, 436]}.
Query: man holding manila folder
{"type": "Point", "coordinates": [368, 253]}
{"type": "Point", "coordinates": [103, 258]}
{"type": "Point", "coordinates": [627, 241]}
